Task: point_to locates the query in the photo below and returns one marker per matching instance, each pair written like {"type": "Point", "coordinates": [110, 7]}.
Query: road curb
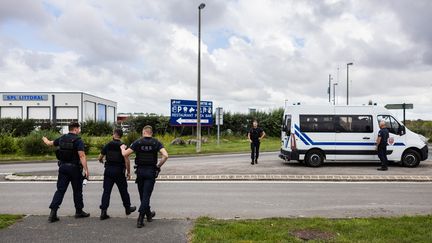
{"type": "Point", "coordinates": [255, 177]}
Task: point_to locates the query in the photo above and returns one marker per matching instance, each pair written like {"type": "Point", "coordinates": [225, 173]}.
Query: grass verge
{"type": "Point", "coordinates": [393, 229]}
{"type": "Point", "coordinates": [7, 220]}
{"type": "Point", "coordinates": [227, 145]}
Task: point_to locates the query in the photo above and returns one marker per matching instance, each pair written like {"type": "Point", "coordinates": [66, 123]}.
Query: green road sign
{"type": "Point", "coordinates": [399, 106]}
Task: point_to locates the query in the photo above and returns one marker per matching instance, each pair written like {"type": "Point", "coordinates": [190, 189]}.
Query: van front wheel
{"type": "Point", "coordinates": [411, 158]}
{"type": "Point", "coordinates": [314, 158]}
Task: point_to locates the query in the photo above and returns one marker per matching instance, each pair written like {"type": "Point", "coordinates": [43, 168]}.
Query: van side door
{"type": "Point", "coordinates": [354, 137]}
{"type": "Point", "coordinates": [396, 143]}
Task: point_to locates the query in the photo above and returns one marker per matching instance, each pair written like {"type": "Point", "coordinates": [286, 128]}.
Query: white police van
{"type": "Point", "coordinates": [313, 134]}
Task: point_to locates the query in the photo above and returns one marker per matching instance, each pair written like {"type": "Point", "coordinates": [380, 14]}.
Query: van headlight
{"type": "Point", "coordinates": [424, 139]}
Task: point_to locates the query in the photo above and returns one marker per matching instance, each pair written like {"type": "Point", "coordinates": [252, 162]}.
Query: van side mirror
{"type": "Point", "coordinates": [401, 130]}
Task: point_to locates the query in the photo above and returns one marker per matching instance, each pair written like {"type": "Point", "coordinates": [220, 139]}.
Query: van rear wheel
{"type": "Point", "coordinates": [314, 158]}
{"type": "Point", "coordinates": [411, 158]}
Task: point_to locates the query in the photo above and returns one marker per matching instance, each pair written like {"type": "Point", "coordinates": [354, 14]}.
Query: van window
{"type": "Point", "coordinates": [354, 124]}
{"type": "Point", "coordinates": [391, 123]}
{"type": "Point", "coordinates": [287, 124]}
{"type": "Point", "coordinates": [317, 123]}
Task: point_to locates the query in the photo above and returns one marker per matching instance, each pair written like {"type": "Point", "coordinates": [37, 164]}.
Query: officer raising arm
{"type": "Point", "coordinates": [72, 161]}
{"type": "Point", "coordinates": [146, 161]}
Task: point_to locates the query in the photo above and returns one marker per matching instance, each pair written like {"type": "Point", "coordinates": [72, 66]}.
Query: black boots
{"type": "Point", "coordinates": [104, 215]}
{"type": "Point", "coordinates": [130, 210]}
{"type": "Point", "coordinates": [81, 214]}
{"type": "Point", "coordinates": [150, 215]}
{"type": "Point", "coordinates": [140, 221]}
{"type": "Point", "coordinates": [53, 216]}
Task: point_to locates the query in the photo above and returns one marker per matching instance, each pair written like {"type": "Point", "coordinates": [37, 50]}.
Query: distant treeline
{"type": "Point", "coordinates": [233, 124]}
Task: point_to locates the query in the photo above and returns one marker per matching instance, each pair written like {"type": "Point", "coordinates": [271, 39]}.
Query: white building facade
{"type": "Point", "coordinates": [57, 107]}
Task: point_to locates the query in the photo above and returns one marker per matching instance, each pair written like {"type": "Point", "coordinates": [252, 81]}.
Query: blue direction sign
{"type": "Point", "coordinates": [184, 113]}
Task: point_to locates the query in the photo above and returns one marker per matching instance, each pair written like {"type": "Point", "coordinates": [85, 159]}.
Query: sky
{"type": "Point", "coordinates": [259, 54]}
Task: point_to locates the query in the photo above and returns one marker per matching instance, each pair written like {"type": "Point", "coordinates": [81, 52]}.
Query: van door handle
{"type": "Point", "coordinates": [366, 138]}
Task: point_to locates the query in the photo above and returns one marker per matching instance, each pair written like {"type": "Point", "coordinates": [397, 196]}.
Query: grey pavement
{"type": "Point", "coordinates": [243, 199]}
{"type": "Point", "coordinates": [69, 229]}
{"type": "Point", "coordinates": [238, 164]}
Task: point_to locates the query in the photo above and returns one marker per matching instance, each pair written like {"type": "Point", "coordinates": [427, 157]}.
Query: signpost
{"type": "Point", "coordinates": [219, 122]}
{"type": "Point", "coordinates": [184, 113]}
{"type": "Point", "coordinates": [399, 107]}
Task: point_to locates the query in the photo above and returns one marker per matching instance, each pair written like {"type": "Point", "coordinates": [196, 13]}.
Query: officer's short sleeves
{"type": "Point", "coordinates": [260, 131]}
{"type": "Point", "coordinates": [57, 142]}
{"type": "Point", "coordinates": [134, 145]}
{"type": "Point", "coordinates": [380, 133]}
{"type": "Point", "coordinates": [79, 145]}
{"type": "Point", "coordinates": [159, 146]}
{"type": "Point", "coordinates": [104, 149]}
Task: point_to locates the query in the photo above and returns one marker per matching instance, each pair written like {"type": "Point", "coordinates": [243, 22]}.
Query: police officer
{"type": "Point", "coordinates": [115, 167]}
{"type": "Point", "coordinates": [255, 135]}
{"type": "Point", "coordinates": [381, 143]}
{"type": "Point", "coordinates": [72, 161]}
{"type": "Point", "coordinates": [147, 169]}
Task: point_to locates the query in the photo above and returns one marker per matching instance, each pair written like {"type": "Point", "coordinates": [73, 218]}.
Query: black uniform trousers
{"type": "Point", "coordinates": [69, 173]}
{"type": "Point", "coordinates": [255, 150]}
{"type": "Point", "coordinates": [145, 180]}
{"type": "Point", "coordinates": [114, 174]}
{"type": "Point", "coordinates": [382, 155]}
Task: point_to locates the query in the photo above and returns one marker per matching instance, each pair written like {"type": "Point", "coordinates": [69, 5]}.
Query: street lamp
{"type": "Point", "coordinates": [198, 145]}
{"type": "Point", "coordinates": [348, 64]}
{"type": "Point", "coordinates": [334, 93]}
{"type": "Point", "coordinates": [329, 87]}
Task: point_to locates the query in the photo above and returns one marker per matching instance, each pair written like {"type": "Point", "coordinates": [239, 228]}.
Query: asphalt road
{"type": "Point", "coordinates": [269, 163]}
{"type": "Point", "coordinates": [181, 200]}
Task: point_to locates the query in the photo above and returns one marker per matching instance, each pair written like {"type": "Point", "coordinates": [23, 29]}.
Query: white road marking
{"type": "Point", "coordinates": [236, 182]}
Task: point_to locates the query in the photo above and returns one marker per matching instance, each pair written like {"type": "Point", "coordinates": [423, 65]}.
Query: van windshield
{"type": "Point", "coordinates": [287, 124]}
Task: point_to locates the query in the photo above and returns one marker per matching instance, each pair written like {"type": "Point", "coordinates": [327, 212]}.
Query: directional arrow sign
{"type": "Point", "coordinates": [184, 113]}
{"type": "Point", "coordinates": [399, 106]}
{"type": "Point", "coordinates": [181, 121]}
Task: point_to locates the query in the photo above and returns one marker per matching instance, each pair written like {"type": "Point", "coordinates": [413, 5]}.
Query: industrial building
{"type": "Point", "coordinates": [57, 107]}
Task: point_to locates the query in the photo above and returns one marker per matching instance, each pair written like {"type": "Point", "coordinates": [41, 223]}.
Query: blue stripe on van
{"type": "Point", "coordinates": [301, 137]}
{"type": "Point", "coordinates": [297, 131]}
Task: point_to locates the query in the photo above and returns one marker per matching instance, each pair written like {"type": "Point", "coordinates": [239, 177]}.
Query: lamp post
{"type": "Point", "coordinates": [329, 87]}
{"type": "Point", "coordinates": [198, 145]}
{"type": "Point", "coordinates": [348, 64]}
{"type": "Point", "coordinates": [334, 93]}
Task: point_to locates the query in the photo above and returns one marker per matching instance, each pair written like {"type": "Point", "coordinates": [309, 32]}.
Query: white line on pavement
{"type": "Point", "coordinates": [237, 182]}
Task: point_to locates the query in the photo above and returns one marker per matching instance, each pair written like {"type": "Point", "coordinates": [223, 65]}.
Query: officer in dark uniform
{"type": "Point", "coordinates": [115, 167]}
{"type": "Point", "coordinates": [255, 135]}
{"type": "Point", "coordinates": [381, 143]}
{"type": "Point", "coordinates": [147, 169]}
{"type": "Point", "coordinates": [72, 161]}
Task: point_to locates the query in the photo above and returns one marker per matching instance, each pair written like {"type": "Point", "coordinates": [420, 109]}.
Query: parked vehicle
{"type": "Point", "coordinates": [315, 134]}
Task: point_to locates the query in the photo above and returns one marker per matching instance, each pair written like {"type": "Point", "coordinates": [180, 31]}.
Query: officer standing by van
{"type": "Point", "coordinates": [147, 169]}
{"type": "Point", "coordinates": [72, 161]}
{"type": "Point", "coordinates": [116, 166]}
{"type": "Point", "coordinates": [255, 135]}
{"type": "Point", "coordinates": [381, 143]}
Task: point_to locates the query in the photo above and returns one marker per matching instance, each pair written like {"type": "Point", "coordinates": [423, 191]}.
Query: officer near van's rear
{"type": "Point", "coordinates": [381, 145]}
{"type": "Point", "coordinates": [116, 166]}
{"type": "Point", "coordinates": [147, 169]}
{"type": "Point", "coordinates": [255, 135]}
{"type": "Point", "coordinates": [72, 161]}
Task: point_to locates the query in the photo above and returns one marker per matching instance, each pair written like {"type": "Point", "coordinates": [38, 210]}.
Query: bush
{"type": "Point", "coordinates": [16, 127]}
{"type": "Point", "coordinates": [97, 128]}
{"type": "Point", "coordinates": [87, 143]}
{"type": "Point", "coordinates": [131, 137]}
{"type": "Point", "coordinates": [33, 144]}
{"type": "Point", "coordinates": [100, 142]}
{"type": "Point", "coordinates": [7, 144]}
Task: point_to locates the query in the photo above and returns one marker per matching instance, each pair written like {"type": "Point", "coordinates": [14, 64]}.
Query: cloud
{"type": "Point", "coordinates": [254, 53]}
